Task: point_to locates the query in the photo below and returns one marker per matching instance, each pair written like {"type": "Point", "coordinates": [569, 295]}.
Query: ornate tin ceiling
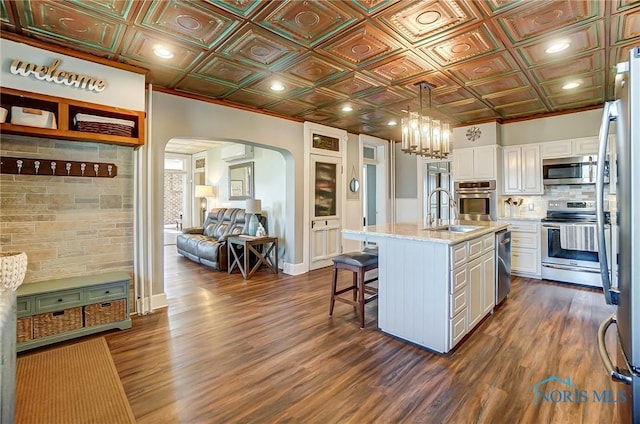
{"type": "Point", "coordinates": [487, 59]}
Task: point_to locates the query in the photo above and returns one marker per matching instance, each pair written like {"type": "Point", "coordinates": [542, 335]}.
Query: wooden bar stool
{"type": "Point", "coordinates": [358, 263]}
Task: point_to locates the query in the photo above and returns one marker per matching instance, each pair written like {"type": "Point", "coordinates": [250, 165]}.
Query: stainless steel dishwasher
{"type": "Point", "coordinates": [503, 265]}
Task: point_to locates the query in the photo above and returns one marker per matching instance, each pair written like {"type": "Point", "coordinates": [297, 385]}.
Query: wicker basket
{"type": "Point", "coordinates": [57, 322]}
{"type": "Point", "coordinates": [25, 329]}
{"type": "Point", "coordinates": [105, 312]}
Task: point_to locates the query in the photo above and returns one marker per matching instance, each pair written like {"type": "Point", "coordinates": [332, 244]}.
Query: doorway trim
{"type": "Point", "coordinates": [382, 175]}
{"type": "Point", "coordinates": [310, 129]}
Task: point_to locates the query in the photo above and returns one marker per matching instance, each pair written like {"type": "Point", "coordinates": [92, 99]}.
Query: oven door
{"type": "Point", "coordinates": [574, 266]}
{"type": "Point", "coordinates": [476, 206]}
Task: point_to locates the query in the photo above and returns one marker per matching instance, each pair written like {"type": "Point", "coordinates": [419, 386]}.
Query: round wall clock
{"type": "Point", "coordinates": [473, 133]}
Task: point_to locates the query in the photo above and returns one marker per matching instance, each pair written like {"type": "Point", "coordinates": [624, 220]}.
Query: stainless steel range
{"type": "Point", "coordinates": [570, 244]}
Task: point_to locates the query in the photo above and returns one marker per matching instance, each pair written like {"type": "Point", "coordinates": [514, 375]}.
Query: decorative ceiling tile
{"type": "Point", "coordinates": [590, 96]}
{"type": "Point", "coordinates": [586, 38]}
{"type": "Point", "coordinates": [517, 95]}
{"type": "Point", "coordinates": [167, 78]}
{"type": "Point", "coordinates": [224, 70]}
{"type": "Point", "coordinates": [400, 67]}
{"type": "Point", "coordinates": [497, 6]}
{"type": "Point", "coordinates": [572, 66]}
{"type": "Point", "coordinates": [318, 98]}
{"type": "Point", "coordinates": [554, 88]}
{"type": "Point", "coordinates": [372, 6]}
{"type": "Point", "coordinates": [437, 79]}
{"type": "Point", "coordinates": [543, 17]}
{"type": "Point", "coordinates": [317, 116]}
{"type": "Point", "coordinates": [244, 8]}
{"type": "Point", "coordinates": [355, 83]}
{"type": "Point", "coordinates": [192, 22]}
{"type": "Point", "coordinates": [621, 53]}
{"type": "Point", "coordinates": [474, 42]}
{"type": "Point", "coordinates": [255, 46]}
{"type": "Point", "coordinates": [289, 86]}
{"type": "Point", "coordinates": [521, 109]}
{"type": "Point", "coordinates": [419, 20]}
{"type": "Point", "coordinates": [306, 22]}
{"type": "Point", "coordinates": [116, 8]}
{"type": "Point", "coordinates": [139, 46]}
{"type": "Point", "coordinates": [482, 114]}
{"type": "Point", "coordinates": [314, 69]}
{"type": "Point", "coordinates": [251, 98]}
{"type": "Point", "coordinates": [205, 87]}
{"type": "Point", "coordinates": [496, 85]}
{"type": "Point", "coordinates": [464, 106]}
{"type": "Point", "coordinates": [361, 46]}
{"type": "Point", "coordinates": [450, 96]}
{"type": "Point", "coordinates": [56, 19]}
{"type": "Point", "coordinates": [288, 107]}
{"type": "Point", "coordinates": [620, 5]}
{"type": "Point", "coordinates": [486, 67]}
{"type": "Point", "coordinates": [374, 115]}
{"type": "Point", "coordinates": [625, 26]}
{"type": "Point", "coordinates": [5, 16]}
{"type": "Point", "coordinates": [384, 97]}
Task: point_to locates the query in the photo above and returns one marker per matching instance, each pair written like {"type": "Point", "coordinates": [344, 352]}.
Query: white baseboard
{"type": "Point", "coordinates": [159, 301]}
{"type": "Point", "coordinates": [294, 269]}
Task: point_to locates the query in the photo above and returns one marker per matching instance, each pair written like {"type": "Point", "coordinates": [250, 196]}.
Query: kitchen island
{"type": "Point", "coordinates": [436, 283]}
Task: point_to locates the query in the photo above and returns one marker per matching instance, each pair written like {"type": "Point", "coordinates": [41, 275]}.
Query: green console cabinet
{"type": "Point", "coordinates": [57, 310]}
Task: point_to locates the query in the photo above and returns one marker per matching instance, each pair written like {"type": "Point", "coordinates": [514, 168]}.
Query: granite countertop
{"type": "Point", "coordinates": [419, 232]}
{"type": "Point", "coordinates": [522, 217]}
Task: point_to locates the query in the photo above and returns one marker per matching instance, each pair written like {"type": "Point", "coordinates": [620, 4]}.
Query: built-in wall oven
{"type": "Point", "coordinates": [476, 200]}
{"type": "Point", "coordinates": [570, 244]}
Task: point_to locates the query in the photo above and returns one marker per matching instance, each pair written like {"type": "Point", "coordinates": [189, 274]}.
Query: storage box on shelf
{"type": "Point", "coordinates": [57, 310]}
{"type": "Point", "coordinates": [73, 120]}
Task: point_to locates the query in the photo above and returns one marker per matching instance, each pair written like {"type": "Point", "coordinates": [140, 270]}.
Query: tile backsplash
{"type": "Point", "coordinates": [537, 205]}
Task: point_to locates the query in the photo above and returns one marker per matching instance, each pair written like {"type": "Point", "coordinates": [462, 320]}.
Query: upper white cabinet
{"type": "Point", "coordinates": [573, 147]}
{"type": "Point", "coordinates": [522, 170]}
{"type": "Point", "coordinates": [475, 163]}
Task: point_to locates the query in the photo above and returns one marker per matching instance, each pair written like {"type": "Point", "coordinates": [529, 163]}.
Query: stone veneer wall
{"type": "Point", "coordinates": [68, 226]}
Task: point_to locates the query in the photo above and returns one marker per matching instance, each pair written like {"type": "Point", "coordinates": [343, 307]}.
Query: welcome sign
{"type": "Point", "coordinates": [51, 73]}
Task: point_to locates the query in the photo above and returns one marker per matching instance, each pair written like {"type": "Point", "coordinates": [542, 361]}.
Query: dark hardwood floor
{"type": "Point", "coordinates": [265, 351]}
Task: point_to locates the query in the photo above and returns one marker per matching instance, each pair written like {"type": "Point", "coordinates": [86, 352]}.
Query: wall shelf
{"type": "Point", "coordinates": [64, 111]}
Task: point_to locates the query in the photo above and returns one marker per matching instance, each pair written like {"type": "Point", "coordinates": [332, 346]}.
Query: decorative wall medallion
{"type": "Point", "coordinates": [473, 134]}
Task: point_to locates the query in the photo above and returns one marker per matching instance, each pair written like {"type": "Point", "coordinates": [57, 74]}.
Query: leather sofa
{"type": "Point", "coordinates": [208, 244]}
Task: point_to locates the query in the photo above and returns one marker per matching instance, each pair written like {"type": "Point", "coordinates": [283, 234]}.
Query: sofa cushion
{"type": "Point", "coordinates": [209, 249]}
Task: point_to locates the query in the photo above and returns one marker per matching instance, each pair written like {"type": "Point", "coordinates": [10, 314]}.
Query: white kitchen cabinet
{"type": "Point", "coordinates": [472, 285]}
{"type": "Point", "coordinates": [583, 146]}
{"type": "Point", "coordinates": [475, 163]}
{"type": "Point", "coordinates": [556, 149]}
{"type": "Point", "coordinates": [522, 170]}
{"type": "Point", "coordinates": [525, 248]}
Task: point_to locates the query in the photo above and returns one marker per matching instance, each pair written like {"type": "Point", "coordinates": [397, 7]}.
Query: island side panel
{"type": "Point", "coordinates": [413, 301]}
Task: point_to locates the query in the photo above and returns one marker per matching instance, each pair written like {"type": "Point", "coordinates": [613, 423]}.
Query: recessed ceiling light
{"type": "Point", "coordinates": [347, 108]}
{"type": "Point", "coordinates": [557, 47]}
{"type": "Point", "coordinates": [277, 86]}
{"type": "Point", "coordinates": [392, 123]}
{"type": "Point", "coordinates": [163, 52]}
{"type": "Point", "coordinates": [570, 85]}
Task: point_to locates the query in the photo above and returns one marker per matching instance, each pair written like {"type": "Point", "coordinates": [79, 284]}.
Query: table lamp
{"type": "Point", "coordinates": [254, 207]}
{"type": "Point", "coordinates": [204, 191]}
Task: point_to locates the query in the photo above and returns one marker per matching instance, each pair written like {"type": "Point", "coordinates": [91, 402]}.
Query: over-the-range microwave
{"type": "Point", "coordinates": [573, 170]}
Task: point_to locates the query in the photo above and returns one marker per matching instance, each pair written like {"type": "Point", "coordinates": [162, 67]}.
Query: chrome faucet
{"type": "Point", "coordinates": [452, 204]}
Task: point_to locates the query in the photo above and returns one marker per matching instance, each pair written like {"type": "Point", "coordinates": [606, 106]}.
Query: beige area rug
{"type": "Point", "coordinates": [72, 384]}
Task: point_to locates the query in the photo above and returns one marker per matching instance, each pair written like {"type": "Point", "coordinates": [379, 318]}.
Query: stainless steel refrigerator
{"type": "Point", "coordinates": [625, 112]}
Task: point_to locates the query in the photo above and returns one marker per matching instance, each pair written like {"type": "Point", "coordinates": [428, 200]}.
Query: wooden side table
{"type": "Point", "coordinates": [240, 258]}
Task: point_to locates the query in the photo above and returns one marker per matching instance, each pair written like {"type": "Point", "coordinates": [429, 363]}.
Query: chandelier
{"type": "Point", "coordinates": [423, 135]}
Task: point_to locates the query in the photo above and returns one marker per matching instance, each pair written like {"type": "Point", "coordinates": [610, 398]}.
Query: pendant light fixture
{"type": "Point", "coordinates": [422, 135]}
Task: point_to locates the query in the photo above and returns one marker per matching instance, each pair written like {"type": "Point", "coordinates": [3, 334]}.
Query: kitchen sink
{"type": "Point", "coordinates": [456, 228]}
